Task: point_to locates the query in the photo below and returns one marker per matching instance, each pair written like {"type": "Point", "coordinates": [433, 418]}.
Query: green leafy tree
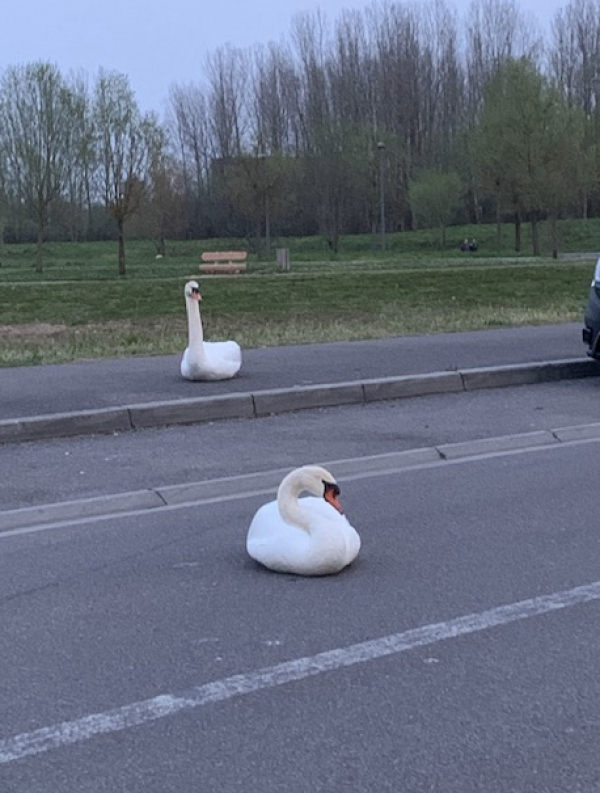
{"type": "Point", "coordinates": [341, 178]}
{"type": "Point", "coordinates": [3, 216]}
{"type": "Point", "coordinates": [78, 195]}
{"type": "Point", "coordinates": [163, 210]}
{"type": "Point", "coordinates": [435, 199]}
{"type": "Point", "coordinates": [527, 146]}
{"type": "Point", "coordinates": [327, 181]}
{"type": "Point", "coordinates": [34, 120]}
{"type": "Point", "coordinates": [567, 161]}
{"type": "Point", "coordinates": [128, 147]}
{"type": "Point", "coordinates": [258, 186]}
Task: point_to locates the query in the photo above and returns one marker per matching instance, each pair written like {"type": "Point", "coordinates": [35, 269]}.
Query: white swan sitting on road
{"type": "Point", "coordinates": [306, 536]}
{"type": "Point", "coordinates": [206, 360]}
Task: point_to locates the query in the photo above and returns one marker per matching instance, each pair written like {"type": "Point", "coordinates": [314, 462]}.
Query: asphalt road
{"type": "Point", "coordinates": [60, 470]}
{"type": "Point", "coordinates": [42, 390]}
{"type": "Point", "coordinates": [404, 673]}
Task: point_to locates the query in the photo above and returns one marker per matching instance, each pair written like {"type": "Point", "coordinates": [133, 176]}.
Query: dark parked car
{"type": "Point", "coordinates": [591, 332]}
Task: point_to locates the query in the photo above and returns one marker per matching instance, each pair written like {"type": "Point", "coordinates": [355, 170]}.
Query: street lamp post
{"type": "Point", "coordinates": [267, 224]}
{"type": "Point", "coordinates": [263, 157]}
{"type": "Point", "coordinates": [381, 149]}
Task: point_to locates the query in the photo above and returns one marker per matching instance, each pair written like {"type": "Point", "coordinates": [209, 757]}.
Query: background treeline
{"type": "Point", "coordinates": [404, 114]}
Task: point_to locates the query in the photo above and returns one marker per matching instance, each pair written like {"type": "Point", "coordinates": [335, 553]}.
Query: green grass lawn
{"type": "Point", "coordinates": [79, 308]}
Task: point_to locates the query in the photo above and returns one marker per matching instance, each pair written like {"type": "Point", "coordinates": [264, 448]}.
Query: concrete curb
{"type": "Point", "coordinates": [266, 482]}
{"type": "Point", "coordinates": [267, 402]}
{"type": "Point", "coordinates": [110, 504]}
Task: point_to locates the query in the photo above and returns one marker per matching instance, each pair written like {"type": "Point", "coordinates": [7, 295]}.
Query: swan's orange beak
{"type": "Point", "coordinates": [331, 494]}
{"type": "Point", "coordinates": [196, 294]}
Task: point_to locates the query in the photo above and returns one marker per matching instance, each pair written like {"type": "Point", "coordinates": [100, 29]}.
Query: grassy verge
{"type": "Point", "coordinates": [63, 318]}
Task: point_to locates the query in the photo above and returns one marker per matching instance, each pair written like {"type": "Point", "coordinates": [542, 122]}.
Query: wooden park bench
{"type": "Point", "coordinates": [224, 262]}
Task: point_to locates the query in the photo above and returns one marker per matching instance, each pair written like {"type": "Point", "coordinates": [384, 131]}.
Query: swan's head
{"type": "Point", "coordinates": [192, 291]}
{"type": "Point", "coordinates": [331, 494]}
{"type": "Point", "coordinates": [317, 481]}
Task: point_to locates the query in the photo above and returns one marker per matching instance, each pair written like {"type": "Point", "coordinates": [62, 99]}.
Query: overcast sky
{"type": "Point", "coordinates": [160, 43]}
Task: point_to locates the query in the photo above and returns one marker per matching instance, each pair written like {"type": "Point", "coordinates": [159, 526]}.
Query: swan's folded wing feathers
{"type": "Point", "coordinates": [226, 349]}
{"type": "Point", "coordinates": [221, 356]}
{"type": "Point", "coordinates": [273, 542]}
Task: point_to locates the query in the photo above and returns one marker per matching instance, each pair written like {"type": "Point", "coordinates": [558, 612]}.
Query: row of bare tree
{"type": "Point", "coordinates": [399, 115]}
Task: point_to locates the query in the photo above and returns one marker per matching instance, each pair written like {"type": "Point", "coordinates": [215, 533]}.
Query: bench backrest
{"type": "Point", "coordinates": [225, 256]}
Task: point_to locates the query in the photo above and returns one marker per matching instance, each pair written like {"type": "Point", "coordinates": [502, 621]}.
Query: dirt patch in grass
{"type": "Point", "coordinates": [32, 331]}
{"type": "Point", "coordinates": [38, 331]}
{"type": "Point", "coordinates": [30, 344]}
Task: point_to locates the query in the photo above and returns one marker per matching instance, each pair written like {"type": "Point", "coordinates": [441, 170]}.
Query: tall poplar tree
{"type": "Point", "coordinates": [34, 119]}
{"type": "Point", "coordinates": [128, 146]}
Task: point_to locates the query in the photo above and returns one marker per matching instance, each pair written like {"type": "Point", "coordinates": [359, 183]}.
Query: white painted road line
{"type": "Point", "coordinates": [46, 739]}
{"type": "Point", "coordinates": [87, 512]}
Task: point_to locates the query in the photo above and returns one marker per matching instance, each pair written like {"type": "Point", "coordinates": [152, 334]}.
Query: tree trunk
{"type": "Point", "coordinates": [90, 212]}
{"type": "Point", "coordinates": [333, 235]}
{"type": "Point", "coordinates": [554, 235]}
{"type": "Point", "coordinates": [121, 237]}
{"type": "Point", "coordinates": [267, 228]}
{"type": "Point", "coordinates": [475, 202]}
{"type": "Point", "coordinates": [333, 240]}
{"type": "Point", "coordinates": [517, 232]}
{"type": "Point", "coordinates": [258, 235]}
{"type": "Point", "coordinates": [40, 248]}
{"type": "Point", "coordinates": [498, 224]}
{"type": "Point", "coordinates": [2, 227]}
{"type": "Point", "coordinates": [535, 234]}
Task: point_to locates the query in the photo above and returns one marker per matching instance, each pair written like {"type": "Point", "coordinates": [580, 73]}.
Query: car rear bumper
{"type": "Point", "coordinates": [591, 332]}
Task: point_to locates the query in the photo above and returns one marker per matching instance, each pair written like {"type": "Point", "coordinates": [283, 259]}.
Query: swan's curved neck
{"type": "Point", "coordinates": [195, 334]}
{"type": "Point", "coordinates": [290, 508]}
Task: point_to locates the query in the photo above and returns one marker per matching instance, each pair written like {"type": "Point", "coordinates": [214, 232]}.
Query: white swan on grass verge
{"type": "Point", "coordinates": [305, 536]}
{"type": "Point", "coordinates": [206, 360]}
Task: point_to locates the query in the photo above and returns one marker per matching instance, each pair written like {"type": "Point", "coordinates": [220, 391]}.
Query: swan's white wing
{"type": "Point", "coordinates": [219, 361]}
{"type": "Point", "coordinates": [223, 358]}
{"type": "Point", "coordinates": [275, 543]}
{"type": "Point", "coordinates": [185, 364]}
{"type": "Point", "coordinates": [229, 350]}
{"type": "Point", "coordinates": [352, 542]}
{"type": "Point", "coordinates": [323, 511]}
{"type": "Point", "coordinates": [289, 549]}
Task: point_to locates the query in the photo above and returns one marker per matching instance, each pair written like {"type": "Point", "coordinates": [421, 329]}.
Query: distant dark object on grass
{"type": "Point", "coordinates": [467, 246]}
